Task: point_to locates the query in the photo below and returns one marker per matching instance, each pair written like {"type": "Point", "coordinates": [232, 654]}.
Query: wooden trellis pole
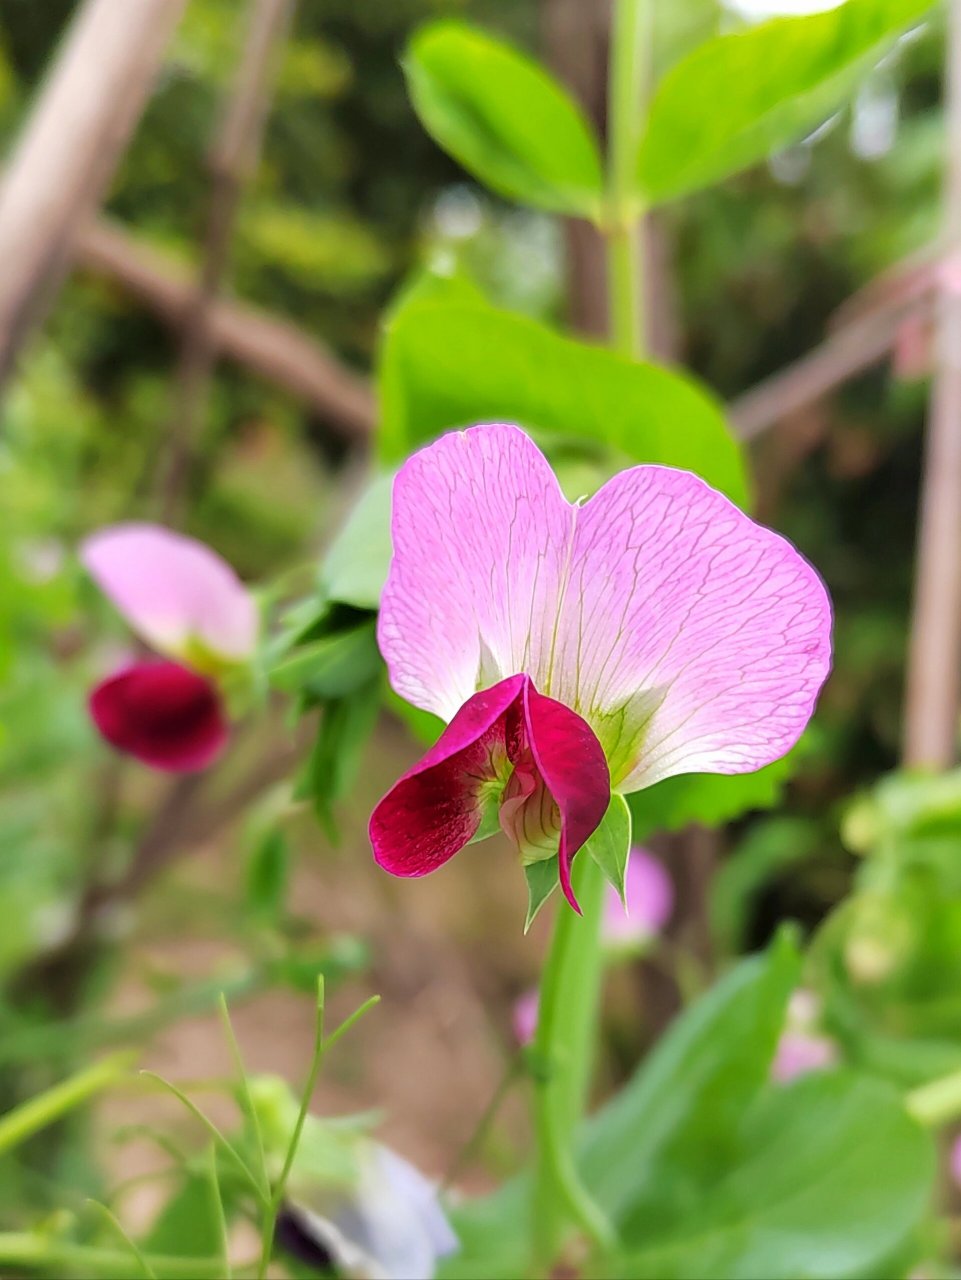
{"type": "Point", "coordinates": [68, 151]}
{"type": "Point", "coordinates": [933, 690]}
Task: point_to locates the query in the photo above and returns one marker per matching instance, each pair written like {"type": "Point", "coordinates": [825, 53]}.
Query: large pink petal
{"type": "Point", "coordinates": [691, 638]}
{"type": "Point", "coordinates": [173, 591]}
{"type": "Point", "coordinates": [166, 716]}
{"type": "Point", "coordinates": [437, 806]}
{"type": "Point", "coordinates": [687, 636]}
{"type": "Point", "coordinates": [481, 532]}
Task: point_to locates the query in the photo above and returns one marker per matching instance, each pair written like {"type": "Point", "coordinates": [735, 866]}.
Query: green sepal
{"type": "Point", "coordinates": [543, 877]}
{"type": "Point", "coordinates": [610, 845]}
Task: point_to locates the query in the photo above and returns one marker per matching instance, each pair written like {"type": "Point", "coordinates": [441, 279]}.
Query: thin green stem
{"type": "Point", "coordinates": [115, 1224]}
{"type": "Point", "coordinates": [23, 1250]}
{"type": "Point", "coordinates": [624, 286]}
{"type": "Point", "coordinates": [239, 1163]}
{"type": "Point", "coordinates": [36, 1113]}
{"type": "Point", "coordinates": [223, 1234]}
{"type": "Point", "coordinates": [563, 1053]}
{"type": "Point", "coordinates": [248, 1105]}
{"type": "Point", "coordinates": [630, 51]}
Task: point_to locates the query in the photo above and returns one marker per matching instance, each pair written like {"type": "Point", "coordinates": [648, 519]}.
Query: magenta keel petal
{"type": "Point", "coordinates": [436, 807]}
{"type": "Point", "coordinates": [572, 763]}
{"type": "Point", "coordinates": [532, 756]}
{"type": "Point", "coordinates": [161, 713]}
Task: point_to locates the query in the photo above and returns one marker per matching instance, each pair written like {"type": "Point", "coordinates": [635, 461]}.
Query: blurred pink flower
{"type": "Point", "coordinates": [799, 1052]}
{"type": "Point", "coordinates": [576, 649]}
{"type": "Point", "coordinates": [182, 599]}
{"type": "Point", "coordinates": [525, 1016]}
{"type": "Point", "coordinates": [650, 900]}
{"type": "Point", "coordinates": [802, 1047]}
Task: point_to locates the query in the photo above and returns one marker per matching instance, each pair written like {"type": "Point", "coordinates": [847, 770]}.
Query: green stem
{"type": "Point", "coordinates": [21, 1249]}
{"type": "Point", "coordinates": [563, 1053]}
{"type": "Point", "coordinates": [630, 45]}
{"type": "Point", "coordinates": [36, 1113]}
{"type": "Point", "coordinates": [936, 1103]}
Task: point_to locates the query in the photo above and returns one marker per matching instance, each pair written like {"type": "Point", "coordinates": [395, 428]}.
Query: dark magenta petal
{"type": "Point", "coordinates": [435, 808]}
{"type": "Point", "coordinates": [572, 763]}
{"type": "Point", "coordinates": [165, 715]}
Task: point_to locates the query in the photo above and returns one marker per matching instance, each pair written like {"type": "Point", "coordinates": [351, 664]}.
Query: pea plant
{"type": "Point", "coordinates": [553, 579]}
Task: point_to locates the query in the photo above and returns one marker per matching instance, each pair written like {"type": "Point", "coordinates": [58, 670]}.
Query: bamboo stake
{"type": "Point", "coordinates": [69, 149]}
{"type": "Point", "coordinates": [934, 658]}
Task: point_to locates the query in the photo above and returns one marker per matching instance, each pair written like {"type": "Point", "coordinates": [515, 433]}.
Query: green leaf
{"type": "Point", "coordinates": [504, 118]}
{"type": "Point", "coordinates": [189, 1223]}
{"type": "Point", "coordinates": [345, 726]}
{"type": "Point", "coordinates": [332, 665]}
{"type": "Point", "coordinates": [737, 98]}
{"type": "Point", "coordinates": [707, 798]}
{"type": "Point", "coordinates": [451, 365]}
{"type": "Point", "coordinates": [542, 879]}
{"type": "Point", "coordinates": [610, 845]}
{"type": "Point", "coordinates": [831, 1177]}
{"type": "Point", "coordinates": [682, 1109]}
{"type": "Point", "coordinates": [355, 567]}
{"type": "Point", "coordinates": [268, 870]}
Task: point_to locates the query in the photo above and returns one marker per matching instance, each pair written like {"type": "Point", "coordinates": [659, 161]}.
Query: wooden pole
{"type": "Point", "coordinates": [267, 344]}
{"type": "Point", "coordinates": [934, 658]}
{"type": "Point", "coordinates": [68, 151]}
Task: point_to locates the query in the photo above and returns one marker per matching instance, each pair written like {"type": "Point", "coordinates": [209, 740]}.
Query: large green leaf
{"type": "Point", "coordinates": [355, 567]}
{"type": "Point", "coordinates": [678, 1117]}
{"type": "Point", "coordinates": [504, 118]}
{"type": "Point", "coordinates": [445, 366]}
{"type": "Point", "coordinates": [831, 1178]}
{"type": "Point", "coordinates": [739, 97]}
{"type": "Point", "coordinates": [707, 798]}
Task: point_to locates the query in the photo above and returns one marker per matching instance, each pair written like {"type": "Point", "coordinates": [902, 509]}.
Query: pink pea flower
{"type": "Point", "coordinates": [184, 601]}
{"type": "Point", "coordinates": [576, 649]}
{"type": "Point", "coordinates": [802, 1047]}
{"type": "Point", "coordinates": [649, 895]}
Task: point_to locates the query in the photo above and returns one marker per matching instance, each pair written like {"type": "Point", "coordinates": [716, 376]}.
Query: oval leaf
{"type": "Point", "coordinates": [765, 87]}
{"type": "Point", "coordinates": [446, 366]}
{"type": "Point", "coordinates": [504, 119]}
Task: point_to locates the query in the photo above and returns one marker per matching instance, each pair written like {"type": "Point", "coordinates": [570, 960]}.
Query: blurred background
{"type": "Point", "coordinates": [348, 197]}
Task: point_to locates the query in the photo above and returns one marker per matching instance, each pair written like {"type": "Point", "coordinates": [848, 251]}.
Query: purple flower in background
{"type": "Point", "coordinates": [580, 648]}
{"type": "Point", "coordinates": [649, 901]}
{"type": "Point", "coordinates": [390, 1226]}
{"type": "Point", "coordinates": [183, 600]}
